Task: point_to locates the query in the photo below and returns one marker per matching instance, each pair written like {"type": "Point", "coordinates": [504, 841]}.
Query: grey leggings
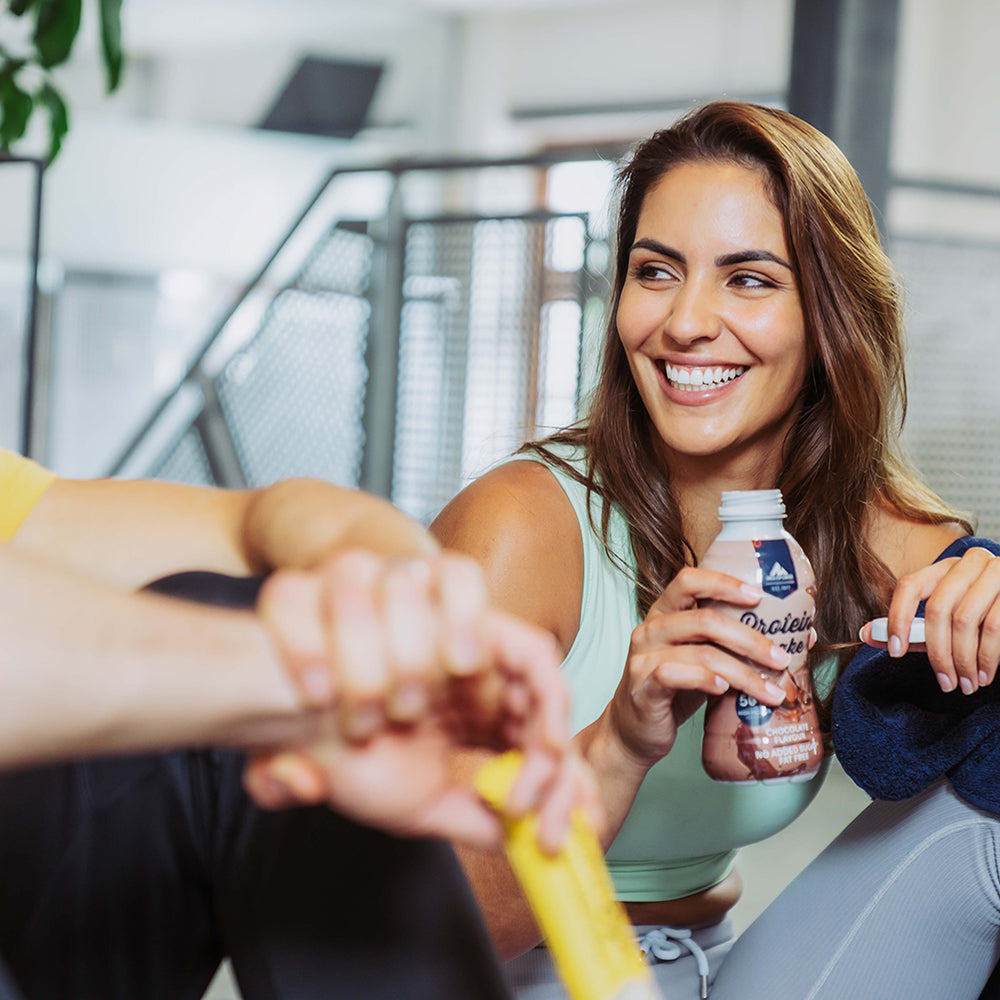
{"type": "Point", "coordinates": [905, 904]}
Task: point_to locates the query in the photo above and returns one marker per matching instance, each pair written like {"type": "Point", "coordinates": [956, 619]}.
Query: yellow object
{"type": "Point", "coordinates": [22, 482]}
{"type": "Point", "coordinates": [586, 928]}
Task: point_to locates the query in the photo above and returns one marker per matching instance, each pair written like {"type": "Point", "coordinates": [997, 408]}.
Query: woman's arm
{"type": "Point", "coordinates": [519, 525]}
{"type": "Point", "coordinates": [128, 532]}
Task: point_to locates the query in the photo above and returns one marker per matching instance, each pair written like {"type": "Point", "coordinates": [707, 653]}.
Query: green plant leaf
{"type": "Point", "coordinates": [19, 7]}
{"type": "Point", "coordinates": [15, 111]}
{"type": "Point", "coordinates": [56, 28]}
{"type": "Point", "coordinates": [52, 100]}
{"type": "Point", "coordinates": [111, 41]}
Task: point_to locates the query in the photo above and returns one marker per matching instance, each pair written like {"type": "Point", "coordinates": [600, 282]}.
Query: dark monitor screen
{"type": "Point", "coordinates": [325, 97]}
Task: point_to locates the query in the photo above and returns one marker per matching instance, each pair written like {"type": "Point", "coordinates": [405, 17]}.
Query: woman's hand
{"type": "Point", "coordinates": [961, 618]}
{"type": "Point", "coordinates": [684, 651]}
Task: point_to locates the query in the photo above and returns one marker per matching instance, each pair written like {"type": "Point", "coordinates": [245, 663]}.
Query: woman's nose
{"type": "Point", "coordinates": [693, 314]}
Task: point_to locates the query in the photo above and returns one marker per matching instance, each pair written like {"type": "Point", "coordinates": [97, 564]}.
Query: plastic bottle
{"type": "Point", "coordinates": [745, 740]}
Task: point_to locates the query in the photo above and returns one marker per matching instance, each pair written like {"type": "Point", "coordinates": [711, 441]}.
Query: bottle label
{"type": "Point", "coordinates": [751, 712]}
{"type": "Point", "coordinates": [777, 568]}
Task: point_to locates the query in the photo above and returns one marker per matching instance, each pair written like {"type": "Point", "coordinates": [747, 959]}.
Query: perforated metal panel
{"type": "Point", "coordinates": [293, 397]}
{"type": "Point", "coordinates": [185, 462]}
{"type": "Point", "coordinates": [477, 306]}
{"type": "Point", "coordinates": [953, 322]}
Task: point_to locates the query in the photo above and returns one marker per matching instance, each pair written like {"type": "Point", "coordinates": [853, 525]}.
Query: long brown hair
{"type": "Point", "coordinates": [842, 457]}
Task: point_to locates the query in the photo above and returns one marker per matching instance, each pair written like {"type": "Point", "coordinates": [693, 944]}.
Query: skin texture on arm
{"type": "Point", "coordinates": [85, 668]}
{"type": "Point", "coordinates": [128, 532]}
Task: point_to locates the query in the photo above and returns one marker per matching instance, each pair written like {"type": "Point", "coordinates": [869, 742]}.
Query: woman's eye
{"type": "Point", "coordinates": [651, 272]}
{"type": "Point", "coordinates": [750, 281]}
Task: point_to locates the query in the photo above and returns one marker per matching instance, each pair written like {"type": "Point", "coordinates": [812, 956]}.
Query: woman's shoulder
{"type": "Point", "coordinates": [906, 545]}
{"type": "Point", "coordinates": [518, 523]}
{"type": "Point", "coordinates": [514, 494]}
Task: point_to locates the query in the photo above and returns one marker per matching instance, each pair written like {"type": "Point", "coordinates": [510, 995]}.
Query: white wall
{"type": "Point", "coordinates": [627, 62]}
{"type": "Point", "coordinates": [946, 124]}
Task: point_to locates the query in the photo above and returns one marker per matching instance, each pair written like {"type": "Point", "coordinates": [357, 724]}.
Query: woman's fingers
{"type": "Point", "coordinates": [704, 669]}
{"type": "Point", "coordinates": [909, 591]}
{"type": "Point", "coordinates": [692, 585]}
{"type": "Point", "coordinates": [961, 618]}
{"type": "Point", "coordinates": [989, 645]}
{"type": "Point", "coordinates": [973, 630]}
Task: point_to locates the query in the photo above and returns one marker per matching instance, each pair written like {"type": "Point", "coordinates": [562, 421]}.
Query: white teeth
{"type": "Point", "coordinates": [697, 378]}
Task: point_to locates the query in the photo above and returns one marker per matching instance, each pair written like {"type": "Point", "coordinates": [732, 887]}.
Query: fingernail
{"type": "Point", "coordinates": [966, 685]}
{"type": "Point", "coordinates": [408, 700]}
{"type": "Point", "coordinates": [290, 775]}
{"type": "Point", "coordinates": [755, 592]}
{"type": "Point", "coordinates": [465, 654]}
{"type": "Point", "coordinates": [780, 656]}
{"type": "Point", "coordinates": [363, 721]}
{"type": "Point", "coordinates": [317, 686]}
{"type": "Point", "coordinates": [895, 646]}
{"type": "Point", "coordinates": [721, 684]}
{"type": "Point", "coordinates": [983, 678]}
{"type": "Point", "coordinates": [774, 691]}
{"type": "Point", "coordinates": [945, 681]}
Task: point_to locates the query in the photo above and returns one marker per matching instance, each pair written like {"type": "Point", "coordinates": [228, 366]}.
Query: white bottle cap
{"type": "Point", "coordinates": [751, 505]}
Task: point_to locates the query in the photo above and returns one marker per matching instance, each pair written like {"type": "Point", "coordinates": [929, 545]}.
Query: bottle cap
{"type": "Point", "coordinates": [751, 505]}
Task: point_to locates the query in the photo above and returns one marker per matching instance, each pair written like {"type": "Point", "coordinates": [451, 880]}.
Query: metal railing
{"type": "Point", "coordinates": [226, 431]}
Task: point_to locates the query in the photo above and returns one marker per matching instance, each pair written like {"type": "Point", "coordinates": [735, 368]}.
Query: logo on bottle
{"type": "Point", "coordinates": [776, 566]}
{"type": "Point", "coordinates": [751, 711]}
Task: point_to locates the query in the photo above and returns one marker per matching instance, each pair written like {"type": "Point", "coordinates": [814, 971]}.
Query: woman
{"type": "Point", "coordinates": [754, 341]}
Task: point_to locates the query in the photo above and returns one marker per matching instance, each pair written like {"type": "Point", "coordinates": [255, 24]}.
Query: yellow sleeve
{"type": "Point", "coordinates": [22, 482]}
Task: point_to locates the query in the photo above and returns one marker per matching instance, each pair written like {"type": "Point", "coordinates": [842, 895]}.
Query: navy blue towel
{"type": "Point", "coordinates": [896, 732]}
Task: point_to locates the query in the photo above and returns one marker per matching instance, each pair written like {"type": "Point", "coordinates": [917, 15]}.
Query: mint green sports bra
{"type": "Point", "coordinates": [683, 830]}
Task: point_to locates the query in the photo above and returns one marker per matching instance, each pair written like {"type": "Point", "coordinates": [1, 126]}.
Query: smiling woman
{"type": "Point", "coordinates": [754, 341]}
{"type": "Point", "coordinates": [710, 296]}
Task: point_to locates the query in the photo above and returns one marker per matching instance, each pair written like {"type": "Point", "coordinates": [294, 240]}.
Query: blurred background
{"type": "Point", "coordinates": [365, 240]}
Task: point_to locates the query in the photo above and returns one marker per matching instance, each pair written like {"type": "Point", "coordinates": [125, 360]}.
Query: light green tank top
{"type": "Point", "coordinates": [683, 829]}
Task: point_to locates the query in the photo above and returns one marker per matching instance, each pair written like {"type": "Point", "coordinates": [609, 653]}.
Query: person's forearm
{"type": "Point", "coordinates": [86, 669]}
{"type": "Point", "coordinates": [299, 522]}
{"type": "Point", "coordinates": [618, 775]}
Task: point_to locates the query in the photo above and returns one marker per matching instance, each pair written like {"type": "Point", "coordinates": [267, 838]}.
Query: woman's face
{"type": "Point", "coordinates": [710, 315]}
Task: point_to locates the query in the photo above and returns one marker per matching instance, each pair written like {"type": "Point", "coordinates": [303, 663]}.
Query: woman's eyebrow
{"type": "Point", "coordinates": [659, 248]}
{"type": "Point", "coordinates": [745, 256]}
{"type": "Point", "coordinates": [726, 260]}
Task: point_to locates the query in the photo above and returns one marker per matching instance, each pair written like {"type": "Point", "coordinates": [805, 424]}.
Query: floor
{"type": "Point", "coordinates": [767, 867]}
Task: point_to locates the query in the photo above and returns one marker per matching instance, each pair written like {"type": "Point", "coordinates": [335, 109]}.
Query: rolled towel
{"type": "Point", "coordinates": [895, 731]}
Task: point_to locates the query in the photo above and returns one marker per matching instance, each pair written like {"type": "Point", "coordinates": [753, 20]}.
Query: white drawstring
{"type": "Point", "coordinates": [665, 944]}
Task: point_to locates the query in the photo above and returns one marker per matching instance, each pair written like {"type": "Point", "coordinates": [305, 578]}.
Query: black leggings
{"type": "Point", "coordinates": [134, 877]}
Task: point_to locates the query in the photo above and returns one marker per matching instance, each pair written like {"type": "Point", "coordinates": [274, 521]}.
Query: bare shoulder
{"type": "Point", "coordinates": [905, 545]}
{"type": "Point", "coordinates": [517, 522]}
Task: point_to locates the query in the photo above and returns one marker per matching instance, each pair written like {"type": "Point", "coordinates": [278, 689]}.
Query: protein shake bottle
{"type": "Point", "coordinates": [745, 740]}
